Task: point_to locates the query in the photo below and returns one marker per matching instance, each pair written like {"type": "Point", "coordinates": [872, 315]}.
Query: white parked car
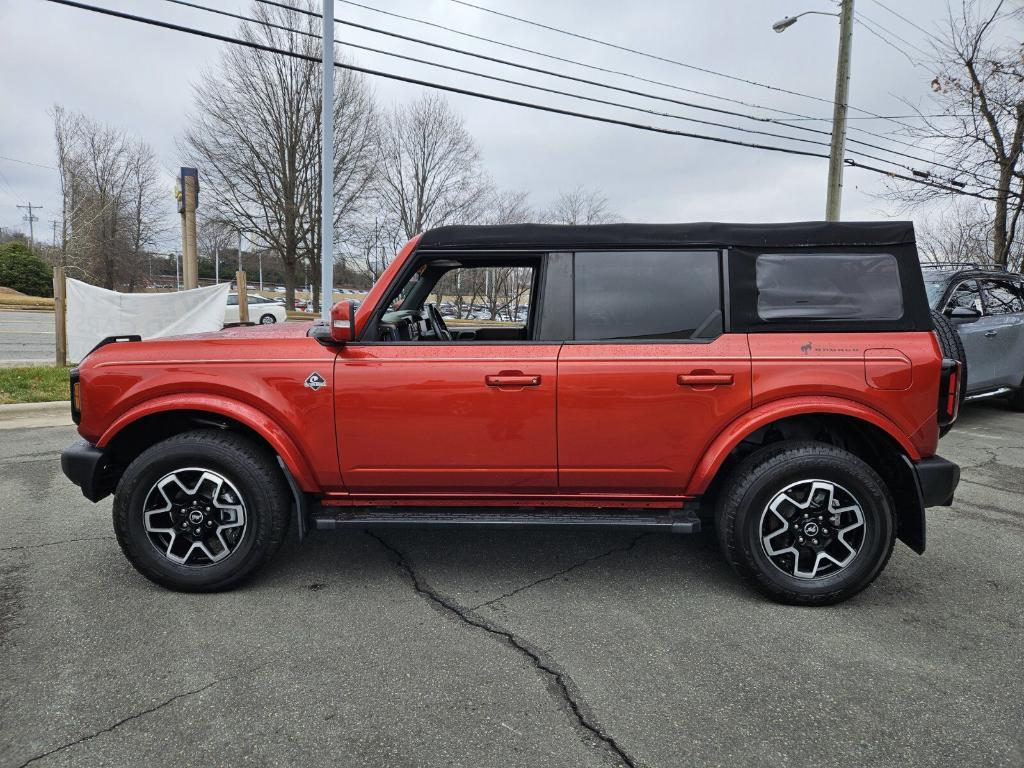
{"type": "Point", "coordinates": [261, 310]}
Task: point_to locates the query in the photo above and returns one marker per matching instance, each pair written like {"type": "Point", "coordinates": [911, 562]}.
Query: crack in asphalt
{"type": "Point", "coordinates": [56, 543]}
{"type": "Point", "coordinates": [561, 680]}
{"type": "Point", "coordinates": [142, 713]}
{"type": "Point", "coordinates": [555, 575]}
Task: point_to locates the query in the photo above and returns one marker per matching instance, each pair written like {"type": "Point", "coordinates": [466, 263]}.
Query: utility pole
{"type": "Point", "coordinates": [30, 218]}
{"type": "Point", "coordinates": [259, 254]}
{"type": "Point", "coordinates": [54, 222]}
{"type": "Point", "coordinates": [834, 200]}
{"type": "Point", "coordinates": [327, 167]}
{"type": "Point", "coordinates": [187, 204]}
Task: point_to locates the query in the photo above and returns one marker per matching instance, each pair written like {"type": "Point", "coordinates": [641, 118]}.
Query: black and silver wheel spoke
{"type": "Point", "coordinates": [194, 516]}
{"type": "Point", "coordinates": [812, 529]}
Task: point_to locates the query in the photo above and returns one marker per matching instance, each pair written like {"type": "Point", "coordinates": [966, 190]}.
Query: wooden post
{"type": "Point", "coordinates": [188, 201]}
{"type": "Point", "coordinates": [60, 315]}
{"type": "Point", "coordinates": [243, 298]}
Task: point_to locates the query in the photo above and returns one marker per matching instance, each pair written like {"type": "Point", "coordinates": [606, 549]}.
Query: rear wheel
{"type": "Point", "coordinates": [805, 523]}
{"type": "Point", "coordinates": [201, 511]}
{"type": "Point", "coordinates": [953, 348]}
{"type": "Point", "coordinates": [267, 319]}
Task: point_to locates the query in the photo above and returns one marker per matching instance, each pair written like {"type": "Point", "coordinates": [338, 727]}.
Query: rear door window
{"type": "Point", "coordinates": [647, 295]}
{"type": "Point", "coordinates": [828, 286]}
{"type": "Point", "coordinates": [1002, 297]}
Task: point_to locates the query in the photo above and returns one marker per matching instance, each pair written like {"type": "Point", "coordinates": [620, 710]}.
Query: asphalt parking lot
{"type": "Point", "coordinates": [522, 648]}
{"type": "Point", "coordinates": [26, 336]}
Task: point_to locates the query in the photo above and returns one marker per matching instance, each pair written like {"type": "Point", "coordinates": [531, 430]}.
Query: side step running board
{"type": "Point", "coordinates": [674, 521]}
{"type": "Point", "coordinates": [991, 393]}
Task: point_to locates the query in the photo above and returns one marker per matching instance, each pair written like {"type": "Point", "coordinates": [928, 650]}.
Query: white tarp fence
{"type": "Point", "coordinates": [95, 313]}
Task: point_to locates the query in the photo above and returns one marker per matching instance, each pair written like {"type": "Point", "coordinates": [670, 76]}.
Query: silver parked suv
{"type": "Point", "coordinates": [986, 308]}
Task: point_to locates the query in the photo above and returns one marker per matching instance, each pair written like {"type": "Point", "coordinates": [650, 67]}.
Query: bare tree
{"type": "Point", "coordinates": [507, 207]}
{"type": "Point", "coordinates": [371, 245]}
{"type": "Point", "coordinates": [255, 137]}
{"type": "Point", "coordinates": [216, 238]}
{"type": "Point", "coordinates": [581, 206]}
{"type": "Point", "coordinates": [355, 154]}
{"type": "Point", "coordinates": [143, 210]}
{"type": "Point", "coordinates": [429, 168]}
{"type": "Point", "coordinates": [960, 234]}
{"type": "Point", "coordinates": [975, 119]}
{"type": "Point", "coordinates": [112, 209]}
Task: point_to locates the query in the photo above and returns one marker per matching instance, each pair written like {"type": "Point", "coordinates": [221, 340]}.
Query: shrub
{"type": "Point", "coordinates": [23, 271]}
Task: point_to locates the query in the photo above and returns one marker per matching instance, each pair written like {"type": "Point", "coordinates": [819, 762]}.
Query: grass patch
{"type": "Point", "coordinates": [33, 384]}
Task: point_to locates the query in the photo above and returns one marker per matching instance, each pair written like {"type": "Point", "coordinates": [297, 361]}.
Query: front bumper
{"type": "Point", "coordinates": [937, 480]}
{"type": "Point", "coordinates": [86, 466]}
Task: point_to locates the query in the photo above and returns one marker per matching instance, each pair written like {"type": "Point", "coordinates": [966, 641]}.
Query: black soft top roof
{"type": "Point", "coordinates": [565, 237]}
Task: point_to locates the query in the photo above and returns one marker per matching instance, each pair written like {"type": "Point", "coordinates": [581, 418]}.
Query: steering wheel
{"type": "Point", "coordinates": [437, 323]}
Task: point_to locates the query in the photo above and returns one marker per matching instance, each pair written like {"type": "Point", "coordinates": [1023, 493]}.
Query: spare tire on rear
{"type": "Point", "coordinates": [953, 348]}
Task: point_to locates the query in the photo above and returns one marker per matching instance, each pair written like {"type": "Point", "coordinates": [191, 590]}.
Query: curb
{"type": "Point", "coordinates": [53, 413]}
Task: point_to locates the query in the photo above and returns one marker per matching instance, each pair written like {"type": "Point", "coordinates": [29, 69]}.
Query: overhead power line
{"type": "Point", "coordinates": [791, 116]}
{"type": "Point", "coordinates": [500, 99]}
{"type": "Point", "coordinates": [655, 56]}
{"type": "Point", "coordinates": [495, 78]}
{"type": "Point", "coordinates": [522, 49]}
{"type": "Point", "coordinates": [591, 99]}
{"type": "Point", "coordinates": [27, 162]}
{"type": "Point", "coordinates": [904, 18]}
{"type": "Point", "coordinates": [680, 102]}
{"type": "Point", "coordinates": [867, 25]}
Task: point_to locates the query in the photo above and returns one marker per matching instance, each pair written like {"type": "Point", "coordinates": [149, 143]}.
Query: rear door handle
{"type": "Point", "coordinates": [512, 380]}
{"type": "Point", "coordinates": [704, 379]}
{"type": "Point", "coordinates": [991, 333]}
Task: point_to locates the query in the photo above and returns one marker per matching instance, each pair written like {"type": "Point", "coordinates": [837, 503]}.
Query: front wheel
{"type": "Point", "coordinates": [201, 511]}
{"type": "Point", "coordinates": [268, 319]}
{"type": "Point", "coordinates": [806, 523]}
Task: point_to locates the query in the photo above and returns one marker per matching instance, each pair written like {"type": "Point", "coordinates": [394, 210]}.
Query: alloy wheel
{"type": "Point", "coordinates": [812, 529]}
{"type": "Point", "coordinates": [194, 516]}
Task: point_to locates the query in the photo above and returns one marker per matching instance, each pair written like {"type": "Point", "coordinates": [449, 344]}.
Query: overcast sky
{"type": "Point", "coordinates": [139, 78]}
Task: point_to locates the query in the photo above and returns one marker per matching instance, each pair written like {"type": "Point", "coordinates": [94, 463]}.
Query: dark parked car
{"type": "Point", "coordinates": [986, 307]}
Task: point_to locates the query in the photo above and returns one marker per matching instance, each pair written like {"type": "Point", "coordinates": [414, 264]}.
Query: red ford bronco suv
{"type": "Point", "coordinates": [784, 381]}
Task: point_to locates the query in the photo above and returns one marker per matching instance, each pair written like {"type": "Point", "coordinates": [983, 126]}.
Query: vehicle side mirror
{"type": "Point", "coordinates": [343, 321]}
{"type": "Point", "coordinates": [963, 314]}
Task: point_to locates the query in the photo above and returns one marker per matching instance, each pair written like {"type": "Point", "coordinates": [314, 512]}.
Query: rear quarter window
{"type": "Point", "coordinates": [828, 286]}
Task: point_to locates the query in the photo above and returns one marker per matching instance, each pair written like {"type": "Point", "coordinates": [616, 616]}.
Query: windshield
{"type": "Point", "coordinates": [935, 287]}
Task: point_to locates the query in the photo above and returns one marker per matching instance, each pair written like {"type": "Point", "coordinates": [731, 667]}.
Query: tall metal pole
{"type": "Point", "coordinates": [834, 200]}
{"type": "Point", "coordinates": [216, 265]}
{"type": "Point", "coordinates": [327, 167]}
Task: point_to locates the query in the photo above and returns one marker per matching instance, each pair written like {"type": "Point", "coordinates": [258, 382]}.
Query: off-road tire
{"type": "Point", "coordinates": [953, 348]}
{"type": "Point", "coordinates": [248, 466]}
{"type": "Point", "coordinates": [758, 478]}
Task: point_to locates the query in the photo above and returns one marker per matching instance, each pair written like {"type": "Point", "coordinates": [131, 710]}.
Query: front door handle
{"type": "Point", "coordinates": [705, 379]}
{"type": "Point", "coordinates": [512, 380]}
{"type": "Point", "coordinates": [991, 333]}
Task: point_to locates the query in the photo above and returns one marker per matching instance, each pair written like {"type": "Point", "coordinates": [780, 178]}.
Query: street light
{"type": "Point", "coordinates": [834, 196]}
{"type": "Point", "coordinates": [789, 21]}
